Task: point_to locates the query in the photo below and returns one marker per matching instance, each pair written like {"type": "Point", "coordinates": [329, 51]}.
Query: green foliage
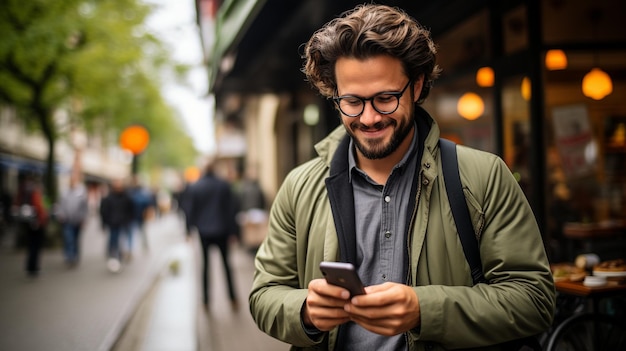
{"type": "Point", "coordinates": [96, 60]}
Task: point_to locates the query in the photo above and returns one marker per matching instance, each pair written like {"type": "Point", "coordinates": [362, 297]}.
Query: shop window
{"type": "Point", "coordinates": [585, 147]}
{"type": "Point", "coordinates": [472, 130]}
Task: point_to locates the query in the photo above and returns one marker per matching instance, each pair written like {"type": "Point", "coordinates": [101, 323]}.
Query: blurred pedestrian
{"type": "Point", "coordinates": [180, 200]}
{"type": "Point", "coordinates": [252, 216]}
{"type": "Point", "coordinates": [144, 204]}
{"type": "Point", "coordinates": [71, 212]}
{"type": "Point", "coordinates": [116, 212]}
{"type": "Point", "coordinates": [32, 217]}
{"type": "Point", "coordinates": [251, 195]}
{"type": "Point", "coordinates": [210, 205]}
{"type": "Point", "coordinates": [6, 202]}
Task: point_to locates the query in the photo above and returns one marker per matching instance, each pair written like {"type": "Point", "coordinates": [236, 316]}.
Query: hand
{"type": "Point", "coordinates": [386, 309]}
{"type": "Point", "coordinates": [324, 307]}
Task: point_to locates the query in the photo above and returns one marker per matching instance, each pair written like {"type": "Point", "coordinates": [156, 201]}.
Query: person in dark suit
{"type": "Point", "coordinates": [116, 213]}
{"type": "Point", "coordinates": [211, 209]}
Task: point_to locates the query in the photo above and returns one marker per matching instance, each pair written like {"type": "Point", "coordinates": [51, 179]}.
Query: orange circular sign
{"type": "Point", "coordinates": [191, 174]}
{"type": "Point", "coordinates": [134, 139]}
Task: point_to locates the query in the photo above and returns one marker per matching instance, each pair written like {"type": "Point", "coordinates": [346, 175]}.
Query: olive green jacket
{"type": "Point", "coordinates": [518, 301]}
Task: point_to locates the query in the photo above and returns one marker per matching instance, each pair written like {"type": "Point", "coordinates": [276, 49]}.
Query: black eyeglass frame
{"type": "Point", "coordinates": [396, 94]}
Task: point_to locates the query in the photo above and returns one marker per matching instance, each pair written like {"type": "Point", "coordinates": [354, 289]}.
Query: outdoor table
{"type": "Point", "coordinates": [590, 328]}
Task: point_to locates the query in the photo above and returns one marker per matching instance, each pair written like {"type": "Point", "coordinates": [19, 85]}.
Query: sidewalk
{"type": "Point", "coordinates": [85, 308]}
{"type": "Point", "coordinates": [146, 306]}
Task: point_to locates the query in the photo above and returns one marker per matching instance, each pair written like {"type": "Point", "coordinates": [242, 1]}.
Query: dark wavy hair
{"type": "Point", "coordinates": [370, 30]}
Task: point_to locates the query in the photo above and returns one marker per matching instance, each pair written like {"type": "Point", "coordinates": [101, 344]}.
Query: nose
{"type": "Point", "coordinates": [370, 116]}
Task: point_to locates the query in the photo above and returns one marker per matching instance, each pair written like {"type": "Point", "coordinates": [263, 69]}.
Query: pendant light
{"type": "Point", "coordinates": [597, 84]}
{"type": "Point", "coordinates": [485, 77]}
{"type": "Point", "coordinates": [470, 106]}
{"type": "Point", "coordinates": [556, 60]}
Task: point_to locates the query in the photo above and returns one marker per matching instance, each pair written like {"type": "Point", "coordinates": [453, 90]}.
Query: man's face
{"type": "Point", "coordinates": [377, 135]}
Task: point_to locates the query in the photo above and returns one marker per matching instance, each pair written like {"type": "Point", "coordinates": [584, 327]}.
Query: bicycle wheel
{"type": "Point", "coordinates": [588, 332]}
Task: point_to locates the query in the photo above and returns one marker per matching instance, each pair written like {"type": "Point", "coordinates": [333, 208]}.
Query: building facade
{"type": "Point", "coordinates": [540, 83]}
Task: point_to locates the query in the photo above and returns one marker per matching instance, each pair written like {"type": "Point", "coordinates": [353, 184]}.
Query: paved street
{"type": "Point", "coordinates": [146, 306]}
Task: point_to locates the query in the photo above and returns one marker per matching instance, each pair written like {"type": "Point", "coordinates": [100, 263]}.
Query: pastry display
{"type": "Point", "coordinates": [562, 272]}
{"type": "Point", "coordinates": [618, 265]}
{"type": "Point", "coordinates": [612, 269]}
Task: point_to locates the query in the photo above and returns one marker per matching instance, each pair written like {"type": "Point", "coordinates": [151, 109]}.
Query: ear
{"type": "Point", "coordinates": [417, 87]}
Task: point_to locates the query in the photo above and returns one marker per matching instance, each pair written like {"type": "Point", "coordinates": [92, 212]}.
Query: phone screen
{"type": "Point", "coordinates": [344, 275]}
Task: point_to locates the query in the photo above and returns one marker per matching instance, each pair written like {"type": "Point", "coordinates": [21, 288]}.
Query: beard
{"type": "Point", "coordinates": [375, 149]}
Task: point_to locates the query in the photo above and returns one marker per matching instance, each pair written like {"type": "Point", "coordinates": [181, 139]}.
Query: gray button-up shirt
{"type": "Point", "coordinates": [381, 217]}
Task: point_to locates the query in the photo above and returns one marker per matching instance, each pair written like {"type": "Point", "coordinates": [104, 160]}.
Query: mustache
{"type": "Point", "coordinates": [376, 126]}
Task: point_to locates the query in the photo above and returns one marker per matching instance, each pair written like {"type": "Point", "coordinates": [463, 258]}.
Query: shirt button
{"type": "Point", "coordinates": [425, 182]}
{"type": "Point", "coordinates": [427, 165]}
{"type": "Point", "coordinates": [387, 234]}
{"type": "Point", "coordinates": [387, 198]}
{"type": "Point", "coordinates": [384, 276]}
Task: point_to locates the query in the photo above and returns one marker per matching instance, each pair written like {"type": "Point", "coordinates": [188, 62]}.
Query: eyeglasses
{"type": "Point", "coordinates": [385, 102]}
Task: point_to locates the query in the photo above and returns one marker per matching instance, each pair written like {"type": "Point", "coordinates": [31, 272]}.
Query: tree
{"type": "Point", "coordinates": [92, 58]}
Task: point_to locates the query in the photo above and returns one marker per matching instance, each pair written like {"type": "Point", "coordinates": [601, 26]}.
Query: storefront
{"type": "Point", "coordinates": [520, 82]}
{"type": "Point", "coordinates": [522, 79]}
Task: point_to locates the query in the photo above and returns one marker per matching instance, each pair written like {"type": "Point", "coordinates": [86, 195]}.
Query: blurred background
{"type": "Point", "coordinates": [150, 89]}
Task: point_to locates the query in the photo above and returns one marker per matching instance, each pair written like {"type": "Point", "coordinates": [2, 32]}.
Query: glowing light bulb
{"type": "Point", "coordinates": [470, 106]}
{"type": "Point", "coordinates": [597, 84]}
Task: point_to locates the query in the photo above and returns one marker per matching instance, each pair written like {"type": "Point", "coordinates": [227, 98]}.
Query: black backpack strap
{"type": "Point", "coordinates": [460, 212]}
{"type": "Point", "coordinates": [464, 227]}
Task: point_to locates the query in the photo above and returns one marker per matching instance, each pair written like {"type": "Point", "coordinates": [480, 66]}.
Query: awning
{"type": "Point", "coordinates": [22, 164]}
{"type": "Point", "coordinates": [259, 42]}
{"type": "Point", "coordinates": [233, 19]}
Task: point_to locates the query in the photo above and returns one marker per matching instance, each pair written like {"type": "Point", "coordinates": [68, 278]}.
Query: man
{"type": "Point", "coordinates": [144, 203]}
{"type": "Point", "coordinates": [32, 219]}
{"type": "Point", "coordinates": [375, 197]}
{"type": "Point", "coordinates": [116, 212]}
{"type": "Point", "coordinates": [211, 209]}
{"type": "Point", "coordinates": [72, 212]}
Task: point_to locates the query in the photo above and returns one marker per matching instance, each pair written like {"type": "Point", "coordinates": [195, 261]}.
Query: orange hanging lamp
{"type": "Point", "coordinates": [597, 84]}
{"type": "Point", "coordinates": [556, 60]}
{"type": "Point", "coordinates": [485, 77]}
{"type": "Point", "coordinates": [470, 106]}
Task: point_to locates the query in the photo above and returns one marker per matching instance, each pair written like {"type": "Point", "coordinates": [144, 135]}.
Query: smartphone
{"type": "Point", "coordinates": [344, 275]}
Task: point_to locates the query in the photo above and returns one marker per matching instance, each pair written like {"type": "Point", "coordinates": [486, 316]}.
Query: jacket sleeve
{"type": "Point", "coordinates": [519, 299]}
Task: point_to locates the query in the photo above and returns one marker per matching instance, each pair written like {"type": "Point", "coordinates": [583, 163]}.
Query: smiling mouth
{"type": "Point", "coordinates": [373, 128]}
{"type": "Point", "coordinates": [374, 131]}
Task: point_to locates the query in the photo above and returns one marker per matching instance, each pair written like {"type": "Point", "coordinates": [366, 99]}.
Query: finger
{"type": "Point", "coordinates": [321, 287]}
{"type": "Point", "coordinates": [324, 312]}
{"type": "Point", "coordinates": [375, 296]}
{"type": "Point", "coordinates": [379, 287]}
